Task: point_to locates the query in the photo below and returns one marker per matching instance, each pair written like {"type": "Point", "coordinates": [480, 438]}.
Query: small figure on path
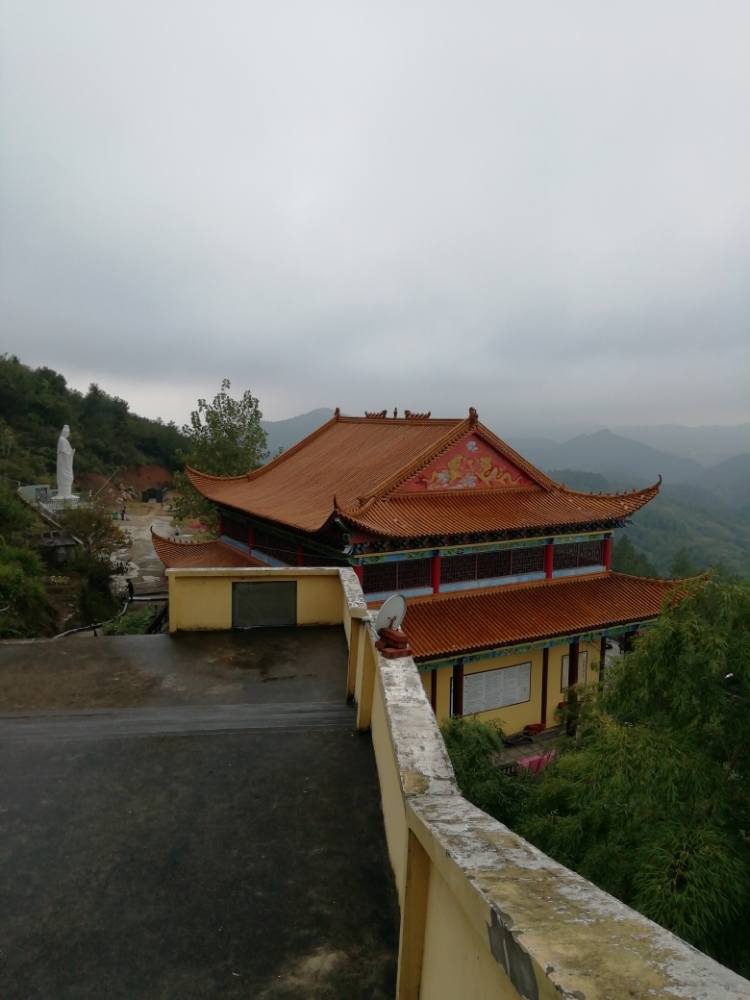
{"type": "Point", "coordinates": [122, 514]}
{"type": "Point", "coordinates": [131, 589]}
{"type": "Point", "coordinates": [177, 531]}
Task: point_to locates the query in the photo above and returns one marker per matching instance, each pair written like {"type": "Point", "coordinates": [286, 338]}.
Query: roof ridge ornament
{"type": "Point", "coordinates": [410, 415]}
{"type": "Point", "coordinates": [473, 417]}
{"type": "Point", "coordinates": [376, 415]}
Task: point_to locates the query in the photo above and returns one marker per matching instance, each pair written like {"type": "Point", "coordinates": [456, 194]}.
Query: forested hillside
{"type": "Point", "coordinates": [34, 405]}
{"type": "Point", "coordinates": [680, 517]}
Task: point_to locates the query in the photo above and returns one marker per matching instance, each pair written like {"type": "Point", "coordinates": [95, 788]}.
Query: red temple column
{"type": "Point", "coordinates": [433, 690]}
{"type": "Point", "coordinates": [458, 689]}
{"type": "Point", "coordinates": [607, 553]}
{"type": "Point", "coordinates": [545, 678]}
{"type": "Point", "coordinates": [602, 659]}
{"type": "Point", "coordinates": [549, 555]}
{"type": "Point", "coordinates": [358, 571]}
{"type": "Point", "coordinates": [300, 556]}
{"type": "Point", "coordinates": [251, 537]}
{"type": "Point", "coordinates": [435, 574]}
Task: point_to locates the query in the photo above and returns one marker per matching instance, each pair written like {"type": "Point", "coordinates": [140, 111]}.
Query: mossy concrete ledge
{"type": "Point", "coordinates": [484, 913]}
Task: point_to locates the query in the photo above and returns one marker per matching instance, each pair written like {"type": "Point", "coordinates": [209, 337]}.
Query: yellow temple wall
{"type": "Point", "coordinates": [202, 599]}
{"type": "Point", "coordinates": [514, 718]}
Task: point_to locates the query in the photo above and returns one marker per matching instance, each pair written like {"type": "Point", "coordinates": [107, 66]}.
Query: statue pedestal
{"type": "Point", "coordinates": [63, 503]}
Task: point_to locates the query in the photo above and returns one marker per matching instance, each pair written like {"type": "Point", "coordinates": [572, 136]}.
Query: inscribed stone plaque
{"type": "Point", "coordinates": [499, 688]}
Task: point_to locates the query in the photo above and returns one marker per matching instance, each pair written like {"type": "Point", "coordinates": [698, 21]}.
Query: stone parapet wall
{"type": "Point", "coordinates": [484, 914]}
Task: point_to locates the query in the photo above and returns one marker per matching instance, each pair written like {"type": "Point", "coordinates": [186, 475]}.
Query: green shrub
{"type": "Point", "coordinates": [24, 610]}
{"type": "Point", "coordinates": [473, 747]}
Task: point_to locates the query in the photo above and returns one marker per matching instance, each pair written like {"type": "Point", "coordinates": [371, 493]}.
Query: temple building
{"type": "Point", "coordinates": [507, 573]}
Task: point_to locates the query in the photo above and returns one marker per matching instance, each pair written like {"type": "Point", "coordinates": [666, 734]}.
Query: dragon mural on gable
{"type": "Point", "coordinates": [469, 464]}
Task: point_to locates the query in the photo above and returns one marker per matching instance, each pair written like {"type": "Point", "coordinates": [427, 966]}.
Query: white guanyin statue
{"type": "Point", "coordinates": [64, 465]}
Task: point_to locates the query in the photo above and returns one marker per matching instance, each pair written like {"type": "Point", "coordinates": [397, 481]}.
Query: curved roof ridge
{"type": "Point", "coordinates": [646, 490]}
{"type": "Point", "coordinates": [255, 474]}
{"type": "Point", "coordinates": [340, 418]}
{"type": "Point", "coordinates": [415, 464]}
{"type": "Point", "coordinates": [193, 474]}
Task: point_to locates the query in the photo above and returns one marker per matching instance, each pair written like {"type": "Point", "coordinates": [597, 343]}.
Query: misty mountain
{"type": "Point", "coordinates": [708, 445]}
{"type": "Point", "coordinates": [285, 433]}
{"type": "Point", "coordinates": [618, 458]}
{"type": "Point", "coordinates": [729, 480]}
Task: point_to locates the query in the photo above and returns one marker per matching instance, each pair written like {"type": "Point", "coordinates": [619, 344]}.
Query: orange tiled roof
{"type": "Point", "coordinates": [453, 624]}
{"type": "Point", "coordinates": [206, 555]}
{"type": "Point", "coordinates": [364, 469]}
{"type": "Point", "coordinates": [422, 514]}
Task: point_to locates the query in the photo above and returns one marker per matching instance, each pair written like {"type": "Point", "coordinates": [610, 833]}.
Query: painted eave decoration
{"type": "Point", "coordinates": [468, 464]}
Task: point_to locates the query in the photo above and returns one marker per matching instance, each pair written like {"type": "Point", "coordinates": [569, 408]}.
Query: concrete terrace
{"type": "Point", "coordinates": [220, 837]}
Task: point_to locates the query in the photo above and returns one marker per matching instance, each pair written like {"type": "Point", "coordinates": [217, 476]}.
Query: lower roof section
{"type": "Point", "coordinates": [449, 625]}
{"type": "Point", "coordinates": [200, 555]}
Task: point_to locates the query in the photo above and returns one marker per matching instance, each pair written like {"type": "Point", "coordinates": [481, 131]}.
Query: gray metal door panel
{"type": "Point", "coordinates": [257, 604]}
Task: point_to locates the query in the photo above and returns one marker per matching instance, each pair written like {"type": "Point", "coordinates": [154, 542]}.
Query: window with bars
{"type": "Point", "coordinates": [574, 555]}
{"type": "Point", "coordinates": [276, 546]}
{"type": "Point", "coordinates": [455, 569]}
{"type": "Point", "coordinates": [406, 575]}
{"type": "Point", "coordinates": [530, 560]}
{"type": "Point", "coordinates": [238, 531]}
{"type": "Point", "coordinates": [488, 565]}
{"type": "Point", "coordinates": [491, 564]}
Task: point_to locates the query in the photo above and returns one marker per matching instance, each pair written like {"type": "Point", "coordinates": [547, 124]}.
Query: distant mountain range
{"type": "Point", "coordinates": [708, 445]}
{"type": "Point", "coordinates": [617, 458]}
{"type": "Point", "coordinates": [285, 433]}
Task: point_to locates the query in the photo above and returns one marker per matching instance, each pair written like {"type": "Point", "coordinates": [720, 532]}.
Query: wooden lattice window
{"type": "Point", "coordinates": [492, 564]}
{"type": "Point", "coordinates": [238, 531]}
{"type": "Point", "coordinates": [408, 574]}
{"type": "Point", "coordinates": [379, 577]}
{"type": "Point", "coordinates": [276, 546]}
{"type": "Point", "coordinates": [456, 569]}
{"type": "Point", "coordinates": [413, 573]}
{"type": "Point", "coordinates": [530, 560]}
{"type": "Point", "coordinates": [573, 555]}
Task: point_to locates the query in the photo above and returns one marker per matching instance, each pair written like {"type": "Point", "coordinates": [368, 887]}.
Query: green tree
{"type": "Point", "coordinates": [15, 517]}
{"type": "Point", "coordinates": [24, 610]}
{"type": "Point", "coordinates": [95, 529]}
{"type": "Point", "coordinates": [225, 439]}
{"type": "Point", "coordinates": [683, 566]}
{"type": "Point", "coordinates": [652, 802]}
{"type": "Point", "coordinates": [474, 747]}
{"type": "Point", "coordinates": [627, 559]}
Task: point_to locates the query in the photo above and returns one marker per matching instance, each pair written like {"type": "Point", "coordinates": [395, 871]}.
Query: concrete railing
{"type": "Point", "coordinates": [484, 914]}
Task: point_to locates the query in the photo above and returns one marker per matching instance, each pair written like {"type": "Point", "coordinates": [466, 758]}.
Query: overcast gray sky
{"type": "Point", "coordinates": [540, 209]}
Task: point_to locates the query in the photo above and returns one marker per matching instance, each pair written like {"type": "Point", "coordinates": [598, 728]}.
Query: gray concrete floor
{"type": "Point", "coordinates": [142, 860]}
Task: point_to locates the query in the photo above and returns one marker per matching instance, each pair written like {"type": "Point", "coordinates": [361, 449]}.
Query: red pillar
{"type": "Point", "coordinates": [435, 574]}
{"type": "Point", "coordinates": [549, 553]}
{"type": "Point", "coordinates": [607, 553]}
{"type": "Point", "coordinates": [358, 571]}
{"type": "Point", "coordinates": [602, 658]}
{"type": "Point", "coordinates": [433, 690]}
{"type": "Point", "coordinates": [458, 689]}
{"type": "Point", "coordinates": [300, 556]}
{"type": "Point", "coordinates": [545, 677]}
